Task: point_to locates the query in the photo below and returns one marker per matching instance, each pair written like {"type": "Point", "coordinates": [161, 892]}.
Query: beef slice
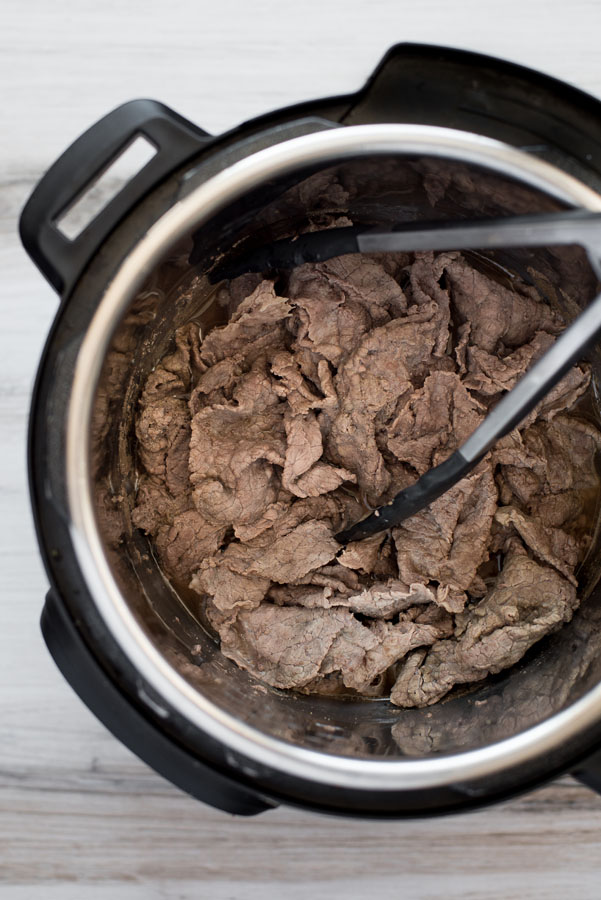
{"type": "Point", "coordinates": [233, 449]}
{"type": "Point", "coordinates": [362, 555]}
{"type": "Point", "coordinates": [363, 653]}
{"type": "Point", "coordinates": [259, 318]}
{"type": "Point", "coordinates": [439, 416]}
{"type": "Point", "coordinates": [303, 474]}
{"type": "Point", "coordinates": [495, 313]}
{"type": "Point", "coordinates": [290, 646]}
{"type": "Point", "coordinates": [380, 600]}
{"type": "Point", "coordinates": [490, 373]}
{"type": "Point", "coordinates": [549, 471]}
{"type": "Point", "coordinates": [163, 429]}
{"type": "Point", "coordinates": [283, 646]}
{"type": "Point", "coordinates": [354, 280]}
{"type": "Point", "coordinates": [370, 384]}
{"type": "Point", "coordinates": [228, 589]}
{"type": "Point", "coordinates": [286, 558]}
{"type": "Point", "coordinates": [447, 541]}
{"type": "Point", "coordinates": [529, 600]}
{"type": "Point", "coordinates": [551, 545]}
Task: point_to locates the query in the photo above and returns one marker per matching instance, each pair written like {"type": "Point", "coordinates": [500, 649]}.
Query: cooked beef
{"type": "Point", "coordinates": [363, 555]}
{"type": "Point", "coordinates": [289, 646]}
{"type": "Point", "coordinates": [381, 600]}
{"type": "Point", "coordinates": [371, 382]}
{"type": "Point", "coordinates": [497, 315]}
{"type": "Point", "coordinates": [262, 439]}
{"type": "Point", "coordinates": [527, 602]}
{"type": "Point", "coordinates": [257, 324]}
{"type": "Point", "coordinates": [548, 544]}
{"type": "Point", "coordinates": [448, 540]}
{"type": "Point", "coordinates": [437, 417]}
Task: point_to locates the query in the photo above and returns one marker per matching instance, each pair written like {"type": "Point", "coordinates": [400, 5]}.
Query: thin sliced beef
{"type": "Point", "coordinates": [369, 385]}
{"type": "Point", "coordinates": [448, 540]}
{"type": "Point", "coordinates": [425, 277]}
{"type": "Point", "coordinates": [362, 555]}
{"type": "Point", "coordinates": [439, 416]}
{"type": "Point", "coordinates": [329, 325]}
{"type": "Point", "coordinates": [381, 600]}
{"type": "Point", "coordinates": [289, 646]}
{"type": "Point", "coordinates": [550, 471]}
{"type": "Point", "coordinates": [233, 450]}
{"type": "Point", "coordinates": [550, 545]}
{"type": "Point", "coordinates": [528, 601]}
{"type": "Point", "coordinates": [227, 588]}
{"type": "Point", "coordinates": [354, 281]}
{"type": "Point", "coordinates": [303, 474]}
{"type": "Point", "coordinates": [496, 314]}
{"type": "Point", "coordinates": [184, 543]}
{"type": "Point", "coordinates": [284, 646]}
{"type": "Point", "coordinates": [259, 319]}
{"type": "Point", "coordinates": [163, 429]}
{"type": "Point", "coordinates": [286, 558]}
{"type": "Point", "coordinates": [363, 653]}
{"type": "Point", "coordinates": [491, 374]}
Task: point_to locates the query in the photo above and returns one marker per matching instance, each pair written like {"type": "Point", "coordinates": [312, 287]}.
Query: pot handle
{"type": "Point", "coordinates": [135, 725]}
{"type": "Point", "coordinates": [589, 772]}
{"type": "Point", "coordinates": [62, 260]}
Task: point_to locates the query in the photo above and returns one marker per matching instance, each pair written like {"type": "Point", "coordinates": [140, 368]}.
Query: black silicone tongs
{"type": "Point", "coordinates": [570, 227]}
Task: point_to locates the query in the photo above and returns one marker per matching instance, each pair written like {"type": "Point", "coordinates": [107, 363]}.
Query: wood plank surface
{"type": "Point", "coordinates": [80, 817]}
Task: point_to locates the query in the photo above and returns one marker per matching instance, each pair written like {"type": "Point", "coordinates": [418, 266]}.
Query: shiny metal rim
{"type": "Point", "coordinates": [202, 202]}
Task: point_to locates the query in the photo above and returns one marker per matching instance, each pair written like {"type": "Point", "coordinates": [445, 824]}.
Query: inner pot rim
{"type": "Point", "coordinates": [197, 207]}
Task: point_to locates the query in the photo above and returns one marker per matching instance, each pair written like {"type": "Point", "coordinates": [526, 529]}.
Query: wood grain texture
{"type": "Point", "coordinates": [80, 817]}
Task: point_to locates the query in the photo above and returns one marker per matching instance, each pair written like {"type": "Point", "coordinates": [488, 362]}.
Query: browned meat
{"type": "Point", "coordinates": [528, 601]}
{"type": "Point", "coordinates": [303, 474]}
{"type": "Point", "coordinates": [260, 441]}
{"type": "Point", "coordinates": [448, 541]}
{"type": "Point", "coordinates": [435, 418]}
{"type": "Point", "coordinates": [284, 646]}
{"type": "Point", "coordinates": [353, 291]}
{"type": "Point", "coordinates": [363, 555]}
{"type": "Point", "coordinates": [327, 324]}
{"type": "Point", "coordinates": [491, 374]}
{"type": "Point", "coordinates": [548, 544]}
{"type": "Point", "coordinates": [283, 553]}
{"type": "Point", "coordinates": [289, 646]}
{"type": "Point", "coordinates": [381, 600]}
{"type": "Point", "coordinates": [495, 313]}
{"type": "Point", "coordinates": [258, 323]}
{"type": "Point", "coordinates": [227, 588]}
{"type": "Point", "coordinates": [549, 472]}
{"type": "Point", "coordinates": [232, 452]}
{"type": "Point", "coordinates": [370, 384]}
{"type": "Point", "coordinates": [163, 429]}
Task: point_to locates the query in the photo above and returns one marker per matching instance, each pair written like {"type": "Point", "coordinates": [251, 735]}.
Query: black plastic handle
{"type": "Point", "coordinates": [62, 260]}
{"type": "Point", "coordinates": [129, 724]}
{"type": "Point", "coordinates": [589, 772]}
{"type": "Point", "coordinates": [433, 484]}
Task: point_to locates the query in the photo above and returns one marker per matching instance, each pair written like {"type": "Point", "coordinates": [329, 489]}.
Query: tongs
{"type": "Point", "coordinates": [579, 227]}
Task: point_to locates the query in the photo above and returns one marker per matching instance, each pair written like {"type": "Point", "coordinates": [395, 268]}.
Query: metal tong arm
{"type": "Point", "coordinates": [573, 226]}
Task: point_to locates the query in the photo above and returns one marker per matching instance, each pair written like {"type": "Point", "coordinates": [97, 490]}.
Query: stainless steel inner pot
{"type": "Point", "coordinates": [375, 174]}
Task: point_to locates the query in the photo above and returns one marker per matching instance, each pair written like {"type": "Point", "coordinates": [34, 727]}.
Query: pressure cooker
{"type": "Point", "coordinates": [509, 140]}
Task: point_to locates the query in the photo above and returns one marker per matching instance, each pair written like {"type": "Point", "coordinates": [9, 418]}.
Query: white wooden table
{"type": "Point", "coordinates": [80, 817]}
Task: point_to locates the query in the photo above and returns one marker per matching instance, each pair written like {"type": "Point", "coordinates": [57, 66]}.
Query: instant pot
{"type": "Point", "coordinates": [435, 133]}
